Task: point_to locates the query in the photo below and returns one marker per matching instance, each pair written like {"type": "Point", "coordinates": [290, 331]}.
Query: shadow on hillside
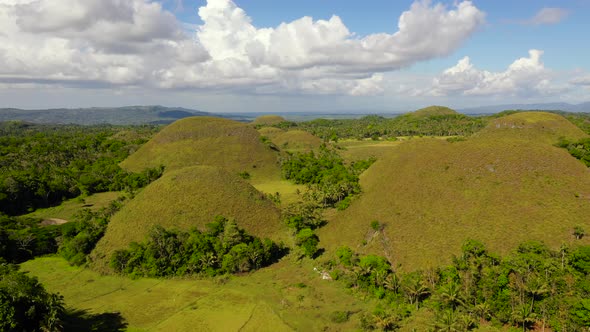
{"type": "Point", "coordinates": [82, 320]}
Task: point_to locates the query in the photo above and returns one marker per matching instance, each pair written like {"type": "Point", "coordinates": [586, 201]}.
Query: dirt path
{"type": "Point", "coordinates": [53, 221]}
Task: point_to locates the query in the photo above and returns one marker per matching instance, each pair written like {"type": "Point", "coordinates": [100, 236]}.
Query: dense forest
{"type": "Point", "coordinates": [41, 165]}
{"type": "Point", "coordinates": [378, 127]}
{"type": "Point", "coordinates": [532, 287]}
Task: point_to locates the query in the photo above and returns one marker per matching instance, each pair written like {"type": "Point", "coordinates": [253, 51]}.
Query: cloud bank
{"type": "Point", "coordinates": [136, 43]}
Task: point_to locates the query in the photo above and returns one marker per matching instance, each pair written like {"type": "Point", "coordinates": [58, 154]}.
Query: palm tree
{"type": "Point", "coordinates": [536, 287]}
{"type": "Point", "coordinates": [415, 289]}
{"type": "Point", "coordinates": [391, 283]}
{"type": "Point", "coordinates": [450, 294]}
{"type": "Point", "coordinates": [448, 321]}
{"type": "Point", "coordinates": [524, 317]}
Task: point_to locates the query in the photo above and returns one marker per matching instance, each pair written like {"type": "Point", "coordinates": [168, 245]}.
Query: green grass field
{"type": "Point", "coordinates": [69, 208]}
{"type": "Point", "coordinates": [284, 297]}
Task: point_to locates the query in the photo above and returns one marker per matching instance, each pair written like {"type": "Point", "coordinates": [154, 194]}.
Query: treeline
{"type": "Point", "coordinates": [25, 305]}
{"type": "Point", "coordinates": [378, 127]}
{"type": "Point", "coordinates": [325, 174]}
{"type": "Point", "coordinates": [23, 238]}
{"type": "Point", "coordinates": [41, 165]}
{"type": "Point", "coordinates": [578, 149]}
{"type": "Point", "coordinates": [223, 248]}
{"type": "Point", "coordinates": [534, 287]}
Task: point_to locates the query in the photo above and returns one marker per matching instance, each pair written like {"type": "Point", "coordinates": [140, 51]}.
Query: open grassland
{"type": "Point", "coordinates": [69, 208]}
{"type": "Point", "coordinates": [504, 186]}
{"type": "Point", "coordinates": [353, 150]}
{"type": "Point", "coordinates": [186, 198]}
{"type": "Point", "coordinates": [233, 146]}
{"type": "Point", "coordinates": [291, 140]}
{"type": "Point", "coordinates": [284, 297]}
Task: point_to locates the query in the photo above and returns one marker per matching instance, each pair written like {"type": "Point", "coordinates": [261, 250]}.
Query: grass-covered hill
{"type": "Point", "coordinates": [268, 120]}
{"type": "Point", "coordinates": [506, 185]}
{"type": "Point", "coordinates": [187, 198]}
{"type": "Point", "coordinates": [231, 145]}
{"type": "Point", "coordinates": [431, 111]}
{"type": "Point", "coordinates": [293, 139]}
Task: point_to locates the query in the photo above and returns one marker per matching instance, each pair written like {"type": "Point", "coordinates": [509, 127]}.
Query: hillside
{"type": "Point", "coordinates": [129, 115]}
{"type": "Point", "coordinates": [291, 139]}
{"type": "Point", "coordinates": [268, 120]}
{"type": "Point", "coordinates": [231, 145]}
{"type": "Point", "coordinates": [432, 111]}
{"type": "Point", "coordinates": [505, 185]}
{"type": "Point", "coordinates": [186, 198]}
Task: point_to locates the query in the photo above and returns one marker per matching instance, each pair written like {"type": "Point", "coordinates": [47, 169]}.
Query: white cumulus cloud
{"type": "Point", "coordinates": [138, 43]}
{"type": "Point", "coordinates": [524, 77]}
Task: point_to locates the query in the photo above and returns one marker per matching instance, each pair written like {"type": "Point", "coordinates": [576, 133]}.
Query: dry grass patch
{"type": "Point", "coordinates": [69, 208]}
{"type": "Point", "coordinates": [207, 141]}
{"type": "Point", "coordinates": [432, 195]}
{"type": "Point", "coordinates": [291, 140]}
{"type": "Point", "coordinates": [268, 120]}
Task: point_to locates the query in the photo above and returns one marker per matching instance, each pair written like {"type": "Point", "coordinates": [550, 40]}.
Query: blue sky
{"type": "Point", "coordinates": [230, 56]}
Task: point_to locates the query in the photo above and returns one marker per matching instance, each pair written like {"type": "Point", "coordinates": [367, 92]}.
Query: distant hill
{"type": "Point", "coordinates": [432, 111]}
{"type": "Point", "coordinates": [566, 107]}
{"type": "Point", "coordinates": [129, 115]}
{"type": "Point", "coordinates": [268, 120]}
{"type": "Point", "coordinates": [208, 141]}
{"type": "Point", "coordinates": [505, 185]}
{"type": "Point", "coordinates": [292, 139]}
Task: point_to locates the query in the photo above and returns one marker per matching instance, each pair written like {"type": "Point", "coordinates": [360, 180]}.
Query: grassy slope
{"type": "Point", "coordinates": [228, 144]}
{"type": "Point", "coordinates": [291, 139]}
{"type": "Point", "coordinates": [69, 208]}
{"type": "Point", "coordinates": [190, 197]}
{"type": "Point", "coordinates": [267, 300]}
{"type": "Point", "coordinates": [268, 120]}
{"type": "Point", "coordinates": [503, 186]}
{"type": "Point", "coordinates": [431, 111]}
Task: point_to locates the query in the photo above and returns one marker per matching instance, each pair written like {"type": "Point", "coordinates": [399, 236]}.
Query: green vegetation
{"type": "Point", "coordinates": [533, 286]}
{"type": "Point", "coordinates": [430, 121]}
{"type": "Point", "coordinates": [40, 166]}
{"type": "Point", "coordinates": [187, 198]}
{"type": "Point", "coordinates": [24, 238]}
{"type": "Point", "coordinates": [25, 305]}
{"type": "Point", "coordinates": [223, 248]}
{"type": "Point", "coordinates": [265, 300]}
{"type": "Point", "coordinates": [78, 238]}
{"type": "Point", "coordinates": [579, 149]}
{"type": "Point", "coordinates": [505, 185]}
{"type": "Point", "coordinates": [325, 174]}
{"type": "Point", "coordinates": [230, 145]}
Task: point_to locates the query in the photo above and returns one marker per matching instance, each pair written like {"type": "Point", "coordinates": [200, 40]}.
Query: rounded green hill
{"type": "Point", "coordinates": [532, 126]}
{"type": "Point", "coordinates": [231, 145]}
{"type": "Point", "coordinates": [431, 195]}
{"type": "Point", "coordinates": [268, 120]}
{"type": "Point", "coordinates": [186, 198]}
{"type": "Point", "coordinates": [432, 111]}
{"type": "Point", "coordinates": [291, 139]}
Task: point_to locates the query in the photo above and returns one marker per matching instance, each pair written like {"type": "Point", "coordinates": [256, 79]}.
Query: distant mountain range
{"type": "Point", "coordinates": [99, 115]}
{"type": "Point", "coordinates": [566, 107]}
{"type": "Point", "coordinates": [135, 115]}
